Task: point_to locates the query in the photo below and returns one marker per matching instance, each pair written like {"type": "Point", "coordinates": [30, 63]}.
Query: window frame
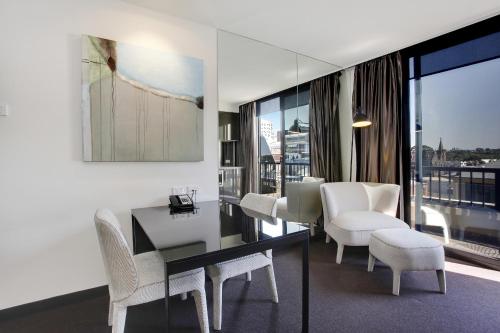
{"type": "Point", "coordinates": [454, 38]}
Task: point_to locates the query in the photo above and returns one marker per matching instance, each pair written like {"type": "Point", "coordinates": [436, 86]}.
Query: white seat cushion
{"type": "Point", "coordinates": [151, 271]}
{"type": "Point", "coordinates": [235, 267]}
{"type": "Point", "coordinates": [355, 227]}
{"type": "Point", "coordinates": [407, 250]}
{"type": "Point", "coordinates": [282, 210]}
{"type": "Point", "coordinates": [261, 203]}
{"type": "Point", "coordinates": [150, 267]}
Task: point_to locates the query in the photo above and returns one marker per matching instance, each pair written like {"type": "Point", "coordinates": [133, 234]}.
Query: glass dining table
{"type": "Point", "coordinates": [215, 232]}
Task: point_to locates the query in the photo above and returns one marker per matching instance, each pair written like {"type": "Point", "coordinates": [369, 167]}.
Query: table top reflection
{"type": "Point", "coordinates": [213, 226]}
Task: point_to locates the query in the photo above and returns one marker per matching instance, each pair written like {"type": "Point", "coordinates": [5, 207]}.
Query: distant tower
{"type": "Point", "coordinates": [440, 155]}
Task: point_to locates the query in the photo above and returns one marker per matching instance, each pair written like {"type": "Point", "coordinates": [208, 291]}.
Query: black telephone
{"type": "Point", "coordinates": [181, 203]}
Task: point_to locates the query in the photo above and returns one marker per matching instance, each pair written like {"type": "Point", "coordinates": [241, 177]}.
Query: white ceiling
{"type": "Point", "coordinates": [339, 32]}
{"type": "Point", "coordinates": [249, 70]}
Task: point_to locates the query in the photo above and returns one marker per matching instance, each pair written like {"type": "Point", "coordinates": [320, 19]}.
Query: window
{"type": "Point", "coordinates": [283, 139]}
{"type": "Point", "coordinates": [455, 145]}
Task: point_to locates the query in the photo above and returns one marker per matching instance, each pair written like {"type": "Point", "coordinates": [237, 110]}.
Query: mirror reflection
{"type": "Point", "coordinates": [263, 116]}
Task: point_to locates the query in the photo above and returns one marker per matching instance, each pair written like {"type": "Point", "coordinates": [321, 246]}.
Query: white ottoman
{"type": "Point", "coordinates": [407, 250]}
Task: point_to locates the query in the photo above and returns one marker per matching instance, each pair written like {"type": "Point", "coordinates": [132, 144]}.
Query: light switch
{"type": "Point", "coordinates": [4, 110]}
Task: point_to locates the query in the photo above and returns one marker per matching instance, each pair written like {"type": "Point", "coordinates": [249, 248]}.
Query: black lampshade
{"type": "Point", "coordinates": [295, 128]}
{"type": "Point", "coordinates": [360, 119]}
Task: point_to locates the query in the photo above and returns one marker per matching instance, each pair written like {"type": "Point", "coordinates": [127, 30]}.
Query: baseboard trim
{"type": "Point", "coordinates": [53, 302]}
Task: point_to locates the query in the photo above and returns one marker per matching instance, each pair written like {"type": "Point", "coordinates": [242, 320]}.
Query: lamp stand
{"type": "Point", "coordinates": [352, 144]}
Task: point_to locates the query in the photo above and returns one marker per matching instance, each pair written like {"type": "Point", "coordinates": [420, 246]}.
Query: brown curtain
{"type": "Point", "coordinates": [324, 128]}
{"type": "Point", "coordinates": [248, 149]}
{"type": "Point", "coordinates": [378, 92]}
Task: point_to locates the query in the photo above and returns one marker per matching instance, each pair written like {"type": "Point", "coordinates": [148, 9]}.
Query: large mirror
{"type": "Point", "coordinates": [274, 83]}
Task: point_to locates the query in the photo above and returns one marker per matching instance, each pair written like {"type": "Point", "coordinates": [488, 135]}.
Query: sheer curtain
{"type": "Point", "coordinates": [248, 147]}
{"type": "Point", "coordinates": [324, 128]}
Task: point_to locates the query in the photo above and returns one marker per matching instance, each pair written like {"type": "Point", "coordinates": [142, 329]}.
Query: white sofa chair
{"type": "Point", "coordinates": [141, 278]}
{"type": "Point", "coordinates": [352, 211]}
{"type": "Point", "coordinates": [220, 272]}
{"type": "Point", "coordinates": [302, 202]}
{"type": "Point", "coordinates": [433, 217]}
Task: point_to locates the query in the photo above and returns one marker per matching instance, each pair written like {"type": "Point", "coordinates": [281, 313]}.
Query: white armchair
{"type": "Point", "coordinates": [352, 211]}
{"type": "Point", "coordinates": [141, 278]}
{"type": "Point", "coordinates": [220, 272]}
{"type": "Point", "coordinates": [302, 202]}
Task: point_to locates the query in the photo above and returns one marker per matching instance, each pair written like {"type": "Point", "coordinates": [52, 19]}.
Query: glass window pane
{"type": "Point", "coordinates": [297, 161]}
{"type": "Point", "coordinates": [455, 156]}
{"type": "Point", "coordinates": [270, 146]}
{"type": "Point", "coordinates": [481, 49]}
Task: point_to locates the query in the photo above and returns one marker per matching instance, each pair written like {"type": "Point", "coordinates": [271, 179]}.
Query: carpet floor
{"type": "Point", "coordinates": [344, 298]}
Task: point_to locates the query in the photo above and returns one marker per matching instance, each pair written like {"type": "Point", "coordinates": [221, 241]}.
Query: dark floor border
{"type": "Point", "coordinates": [472, 259]}
{"type": "Point", "coordinates": [79, 296]}
{"type": "Point", "coordinates": [51, 303]}
{"type": "Point", "coordinates": [68, 299]}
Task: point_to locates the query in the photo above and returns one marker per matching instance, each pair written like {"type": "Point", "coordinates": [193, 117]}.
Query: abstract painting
{"type": "Point", "coordinates": [140, 104]}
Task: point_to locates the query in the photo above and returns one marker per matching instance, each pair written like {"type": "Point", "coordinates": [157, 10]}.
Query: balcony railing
{"type": "Point", "coordinates": [472, 186]}
{"type": "Point", "coordinates": [270, 174]}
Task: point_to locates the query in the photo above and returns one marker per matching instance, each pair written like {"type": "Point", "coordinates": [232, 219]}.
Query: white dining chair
{"type": "Point", "coordinates": [302, 202]}
{"type": "Point", "coordinates": [138, 279]}
{"type": "Point", "coordinates": [220, 272]}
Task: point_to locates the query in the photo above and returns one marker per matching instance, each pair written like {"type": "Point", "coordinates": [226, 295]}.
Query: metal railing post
{"type": "Point", "coordinates": [470, 188]}
{"type": "Point", "coordinates": [430, 184]}
{"type": "Point", "coordinates": [497, 189]}
{"type": "Point", "coordinates": [483, 188]}
{"type": "Point", "coordinates": [449, 186]}
{"type": "Point", "coordinates": [459, 187]}
{"type": "Point", "coordinates": [439, 184]}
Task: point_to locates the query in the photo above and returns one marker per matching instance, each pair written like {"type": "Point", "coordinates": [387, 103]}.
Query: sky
{"type": "Point", "coordinates": [462, 106]}
{"type": "Point", "coordinates": [173, 73]}
{"type": "Point", "coordinates": [271, 111]}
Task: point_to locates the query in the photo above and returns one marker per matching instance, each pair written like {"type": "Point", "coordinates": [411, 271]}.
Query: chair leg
{"type": "Point", "coordinates": [396, 279]}
{"type": "Point", "coordinates": [249, 276]}
{"type": "Point", "coordinates": [272, 282]}
{"type": "Point", "coordinates": [461, 235]}
{"type": "Point", "coordinates": [446, 234]}
{"type": "Point", "coordinates": [184, 296]}
{"type": "Point", "coordinates": [371, 262]}
{"type": "Point", "coordinates": [200, 299]}
{"type": "Point", "coordinates": [110, 314]}
{"type": "Point", "coordinates": [119, 318]}
{"type": "Point", "coordinates": [340, 251]}
{"type": "Point", "coordinates": [217, 300]}
{"type": "Point", "coordinates": [442, 280]}
{"type": "Point", "coordinates": [328, 238]}
{"type": "Point", "coordinates": [311, 228]}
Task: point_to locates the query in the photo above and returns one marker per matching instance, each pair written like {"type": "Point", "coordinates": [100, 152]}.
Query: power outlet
{"type": "Point", "coordinates": [178, 190]}
{"type": "Point", "coordinates": [4, 110]}
{"type": "Point", "coordinates": [191, 188]}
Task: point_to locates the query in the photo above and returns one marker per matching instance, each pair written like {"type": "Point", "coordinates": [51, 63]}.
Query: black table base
{"type": "Point", "coordinates": [302, 238]}
{"type": "Point", "coordinates": [173, 266]}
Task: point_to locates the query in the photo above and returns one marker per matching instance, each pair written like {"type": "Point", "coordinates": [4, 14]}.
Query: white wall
{"type": "Point", "coordinates": [229, 107]}
{"type": "Point", "coordinates": [48, 244]}
{"type": "Point", "coordinates": [345, 115]}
